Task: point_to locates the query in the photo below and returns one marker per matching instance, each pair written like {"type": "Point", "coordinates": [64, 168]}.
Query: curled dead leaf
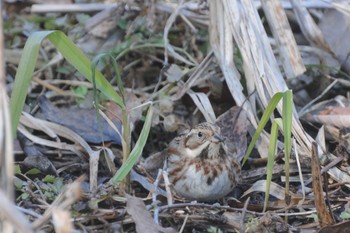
{"type": "Point", "coordinates": [143, 218]}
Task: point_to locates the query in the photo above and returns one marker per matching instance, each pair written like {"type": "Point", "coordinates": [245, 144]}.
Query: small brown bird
{"type": "Point", "coordinates": [200, 166]}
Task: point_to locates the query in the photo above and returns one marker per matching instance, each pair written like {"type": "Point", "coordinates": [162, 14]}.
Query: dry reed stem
{"type": "Point", "coordinates": [259, 63]}
{"type": "Point", "coordinates": [282, 33]}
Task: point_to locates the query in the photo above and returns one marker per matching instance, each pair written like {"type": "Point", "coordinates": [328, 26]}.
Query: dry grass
{"type": "Point", "coordinates": [193, 61]}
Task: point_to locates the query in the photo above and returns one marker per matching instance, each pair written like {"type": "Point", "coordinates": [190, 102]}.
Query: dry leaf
{"type": "Point", "coordinates": [77, 119]}
{"type": "Point", "coordinates": [333, 112]}
{"type": "Point", "coordinates": [275, 190]}
{"type": "Point", "coordinates": [234, 127]}
{"type": "Point", "coordinates": [174, 73]}
{"type": "Point", "coordinates": [203, 104]}
{"type": "Point", "coordinates": [34, 157]}
{"type": "Point", "coordinates": [143, 218]}
{"type": "Point", "coordinates": [335, 33]}
{"type": "Point", "coordinates": [308, 26]}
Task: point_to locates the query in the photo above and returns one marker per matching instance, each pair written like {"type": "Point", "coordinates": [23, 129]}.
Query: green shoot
{"type": "Point", "coordinates": [285, 126]}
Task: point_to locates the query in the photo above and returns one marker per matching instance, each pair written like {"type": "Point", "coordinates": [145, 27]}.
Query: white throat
{"type": "Point", "coordinates": [192, 153]}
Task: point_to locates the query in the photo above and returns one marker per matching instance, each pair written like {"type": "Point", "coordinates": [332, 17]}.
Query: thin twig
{"type": "Point", "coordinates": [154, 197]}
{"type": "Point", "coordinates": [300, 173]}
{"type": "Point", "coordinates": [303, 110]}
{"type": "Point", "coordinates": [184, 224]}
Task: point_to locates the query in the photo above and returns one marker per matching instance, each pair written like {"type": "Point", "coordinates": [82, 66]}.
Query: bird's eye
{"type": "Point", "coordinates": [200, 134]}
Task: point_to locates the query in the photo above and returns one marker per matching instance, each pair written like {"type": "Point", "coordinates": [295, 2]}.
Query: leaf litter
{"type": "Point", "coordinates": [164, 50]}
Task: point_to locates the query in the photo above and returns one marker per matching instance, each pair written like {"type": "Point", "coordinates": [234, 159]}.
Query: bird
{"type": "Point", "coordinates": [199, 165]}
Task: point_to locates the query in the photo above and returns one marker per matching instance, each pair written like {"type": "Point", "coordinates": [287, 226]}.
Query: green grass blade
{"type": "Point", "coordinates": [78, 59]}
{"type": "Point", "coordinates": [270, 160]}
{"type": "Point", "coordinates": [264, 119]}
{"type": "Point", "coordinates": [116, 69]}
{"type": "Point", "coordinates": [287, 130]}
{"type": "Point", "coordinates": [24, 76]}
{"type": "Point", "coordinates": [136, 152]}
{"type": "Point", "coordinates": [27, 64]}
{"type": "Point", "coordinates": [119, 78]}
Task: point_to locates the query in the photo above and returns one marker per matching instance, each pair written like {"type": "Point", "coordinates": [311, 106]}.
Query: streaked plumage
{"type": "Point", "coordinates": [199, 165]}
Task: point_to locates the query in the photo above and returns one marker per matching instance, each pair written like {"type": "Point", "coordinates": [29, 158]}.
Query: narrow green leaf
{"type": "Point", "coordinates": [136, 152]}
{"type": "Point", "coordinates": [33, 171]}
{"type": "Point", "coordinates": [18, 183]}
{"type": "Point", "coordinates": [126, 133]}
{"type": "Point", "coordinates": [78, 59]}
{"type": "Point", "coordinates": [287, 130]}
{"type": "Point", "coordinates": [27, 64]}
{"type": "Point", "coordinates": [24, 75]}
{"type": "Point", "coordinates": [18, 170]}
{"type": "Point", "coordinates": [264, 119]}
{"type": "Point", "coordinates": [270, 160]}
{"type": "Point", "coordinates": [49, 179]}
{"type": "Point", "coordinates": [95, 62]}
{"type": "Point", "coordinates": [279, 122]}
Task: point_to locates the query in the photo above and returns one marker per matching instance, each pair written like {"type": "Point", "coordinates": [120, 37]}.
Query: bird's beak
{"type": "Point", "coordinates": [217, 138]}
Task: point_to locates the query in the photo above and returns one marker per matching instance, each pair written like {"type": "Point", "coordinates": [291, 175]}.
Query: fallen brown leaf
{"type": "Point", "coordinates": [78, 119]}
{"type": "Point", "coordinates": [234, 127]}
{"type": "Point", "coordinates": [143, 218]}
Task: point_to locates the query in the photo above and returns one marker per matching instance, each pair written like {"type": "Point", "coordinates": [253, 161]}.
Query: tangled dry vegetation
{"type": "Point", "coordinates": [180, 63]}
